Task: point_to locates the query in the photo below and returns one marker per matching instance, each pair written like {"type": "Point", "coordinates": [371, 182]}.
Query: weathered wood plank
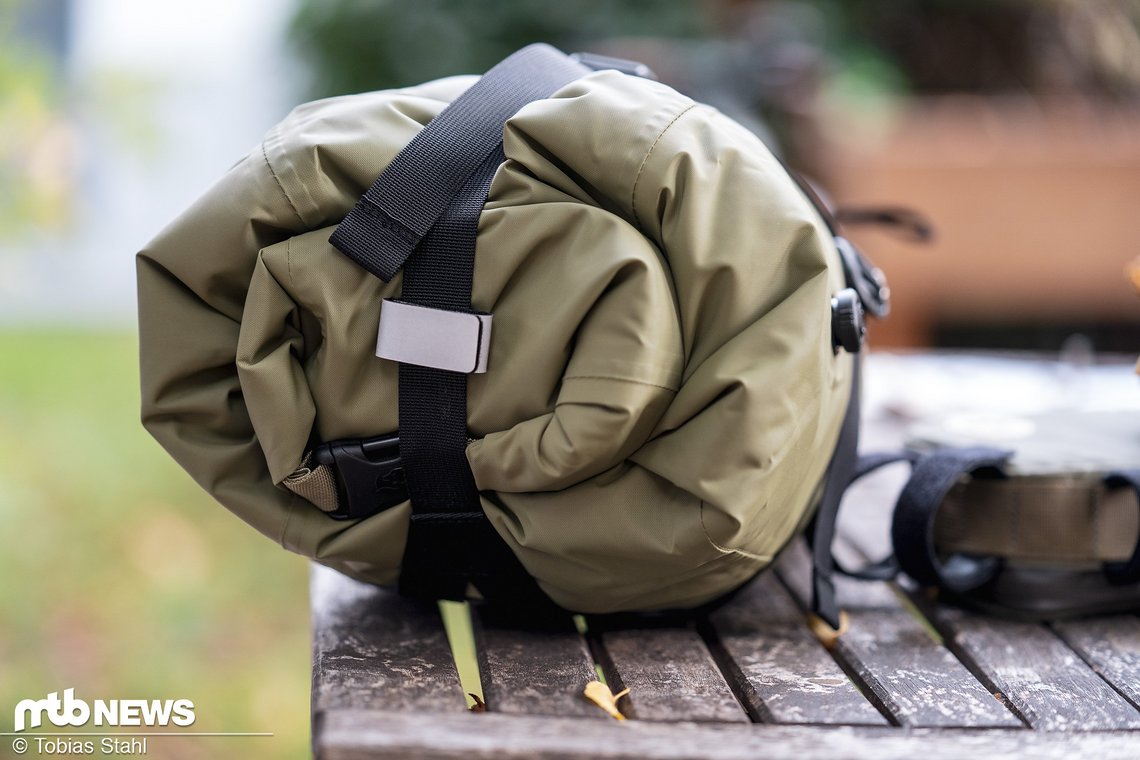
{"type": "Point", "coordinates": [781, 672]}
{"type": "Point", "coordinates": [1048, 684]}
{"type": "Point", "coordinates": [357, 735]}
{"type": "Point", "coordinates": [670, 676]}
{"type": "Point", "coordinates": [373, 649]}
{"type": "Point", "coordinates": [911, 675]}
{"type": "Point", "coordinates": [1044, 681]}
{"type": "Point", "coordinates": [527, 672]}
{"type": "Point", "coordinates": [1111, 646]}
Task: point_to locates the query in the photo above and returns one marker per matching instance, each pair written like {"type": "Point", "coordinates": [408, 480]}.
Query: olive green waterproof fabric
{"type": "Point", "coordinates": [662, 399]}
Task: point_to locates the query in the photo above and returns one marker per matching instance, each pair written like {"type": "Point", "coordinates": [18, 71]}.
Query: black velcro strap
{"type": "Point", "coordinates": [912, 530]}
{"type": "Point", "coordinates": [411, 195]}
{"type": "Point", "coordinates": [1127, 571]}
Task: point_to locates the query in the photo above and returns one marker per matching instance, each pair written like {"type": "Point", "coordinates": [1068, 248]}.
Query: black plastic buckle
{"type": "Point", "coordinates": [867, 279]}
{"type": "Point", "coordinates": [370, 474]}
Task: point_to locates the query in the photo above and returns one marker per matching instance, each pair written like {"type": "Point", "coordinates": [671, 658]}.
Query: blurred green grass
{"type": "Point", "coordinates": [120, 577]}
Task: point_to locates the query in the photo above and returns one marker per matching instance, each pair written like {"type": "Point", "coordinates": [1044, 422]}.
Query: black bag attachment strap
{"type": "Point", "coordinates": [822, 529]}
{"type": "Point", "coordinates": [422, 215]}
{"type": "Point", "coordinates": [978, 581]}
{"type": "Point", "coordinates": [411, 195]}
{"type": "Point", "coordinates": [866, 292]}
{"type": "Point", "coordinates": [886, 568]}
{"type": "Point", "coordinates": [912, 526]}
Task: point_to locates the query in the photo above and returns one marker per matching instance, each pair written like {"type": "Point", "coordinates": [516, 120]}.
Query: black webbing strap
{"type": "Point", "coordinates": [433, 402]}
{"type": "Point", "coordinates": [840, 473]}
{"type": "Point", "coordinates": [429, 201]}
{"type": "Point", "coordinates": [876, 460]}
{"type": "Point", "coordinates": [450, 541]}
{"type": "Point", "coordinates": [409, 196]}
{"type": "Point", "coordinates": [845, 466]}
{"type": "Point", "coordinates": [886, 568]}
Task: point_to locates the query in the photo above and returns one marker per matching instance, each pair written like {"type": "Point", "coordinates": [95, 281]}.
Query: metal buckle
{"type": "Point", "coordinates": [457, 341]}
{"type": "Point", "coordinates": [370, 475]}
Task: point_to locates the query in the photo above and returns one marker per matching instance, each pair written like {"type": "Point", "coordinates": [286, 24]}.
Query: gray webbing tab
{"type": "Point", "coordinates": [452, 340]}
{"type": "Point", "coordinates": [599, 62]}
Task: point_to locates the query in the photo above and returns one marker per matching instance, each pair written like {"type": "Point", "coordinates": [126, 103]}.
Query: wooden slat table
{"type": "Point", "coordinates": [910, 678]}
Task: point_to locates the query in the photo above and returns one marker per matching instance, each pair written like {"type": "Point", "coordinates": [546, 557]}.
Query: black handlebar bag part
{"type": "Point", "coordinates": [1027, 517]}
{"type": "Point", "coordinates": [554, 335]}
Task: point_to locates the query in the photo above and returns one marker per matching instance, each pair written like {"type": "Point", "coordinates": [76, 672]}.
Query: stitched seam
{"type": "Point", "coordinates": [381, 217]}
{"type": "Point", "coordinates": [644, 161]}
{"type": "Point", "coordinates": [281, 187]}
{"type": "Point", "coordinates": [725, 549]}
{"type": "Point", "coordinates": [289, 262]}
{"type": "Point", "coordinates": [620, 380]}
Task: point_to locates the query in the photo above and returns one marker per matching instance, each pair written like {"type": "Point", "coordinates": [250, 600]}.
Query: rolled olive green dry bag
{"type": "Point", "coordinates": [662, 393]}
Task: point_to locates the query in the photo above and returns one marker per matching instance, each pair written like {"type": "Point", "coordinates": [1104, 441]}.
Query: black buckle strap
{"type": "Point", "coordinates": [979, 581]}
{"type": "Point", "coordinates": [421, 215]}
{"type": "Point", "coordinates": [886, 568]}
{"type": "Point", "coordinates": [905, 222]}
{"type": "Point", "coordinates": [411, 195]}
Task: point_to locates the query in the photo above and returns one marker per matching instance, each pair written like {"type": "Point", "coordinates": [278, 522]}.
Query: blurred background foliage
{"type": "Point", "coordinates": [121, 579]}
{"type": "Point", "coordinates": [998, 118]}
{"type": "Point", "coordinates": [35, 153]}
{"type": "Point", "coordinates": [777, 63]}
{"type": "Point", "coordinates": [355, 45]}
{"type": "Point", "coordinates": [930, 46]}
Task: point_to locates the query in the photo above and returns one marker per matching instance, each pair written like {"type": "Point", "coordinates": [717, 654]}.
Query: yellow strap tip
{"type": "Point", "coordinates": [827, 635]}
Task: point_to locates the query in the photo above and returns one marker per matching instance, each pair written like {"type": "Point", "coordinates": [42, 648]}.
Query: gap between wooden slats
{"type": "Point", "coordinates": [911, 675]}
{"type": "Point", "coordinates": [373, 649]}
{"type": "Point", "coordinates": [670, 675]}
{"type": "Point", "coordinates": [1111, 646]}
{"type": "Point", "coordinates": [1048, 683]}
{"type": "Point", "coordinates": [779, 669]}
{"type": "Point", "coordinates": [529, 672]}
